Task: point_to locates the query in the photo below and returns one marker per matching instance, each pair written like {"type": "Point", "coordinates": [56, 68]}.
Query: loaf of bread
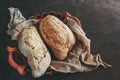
{"type": "Point", "coordinates": [57, 35]}
{"type": "Point", "coordinates": [31, 46]}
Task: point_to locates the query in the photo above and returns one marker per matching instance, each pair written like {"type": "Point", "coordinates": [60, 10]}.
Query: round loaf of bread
{"type": "Point", "coordinates": [31, 46]}
{"type": "Point", "coordinates": [57, 35]}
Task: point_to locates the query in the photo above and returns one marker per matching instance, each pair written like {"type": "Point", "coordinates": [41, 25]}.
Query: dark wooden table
{"type": "Point", "coordinates": [100, 20]}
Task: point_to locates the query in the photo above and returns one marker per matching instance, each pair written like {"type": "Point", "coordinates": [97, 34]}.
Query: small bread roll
{"type": "Point", "coordinates": [31, 46]}
{"type": "Point", "coordinates": [57, 35]}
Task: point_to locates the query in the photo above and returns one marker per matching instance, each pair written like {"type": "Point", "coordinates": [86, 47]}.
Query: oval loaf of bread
{"type": "Point", "coordinates": [31, 46]}
{"type": "Point", "coordinates": [57, 35]}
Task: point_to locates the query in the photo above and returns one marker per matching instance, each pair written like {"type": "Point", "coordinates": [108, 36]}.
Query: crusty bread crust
{"type": "Point", "coordinates": [31, 46]}
{"type": "Point", "coordinates": [57, 35]}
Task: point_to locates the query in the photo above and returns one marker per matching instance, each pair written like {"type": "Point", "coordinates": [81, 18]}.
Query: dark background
{"type": "Point", "coordinates": [100, 20]}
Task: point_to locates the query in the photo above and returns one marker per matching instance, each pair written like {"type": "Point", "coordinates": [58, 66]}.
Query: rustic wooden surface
{"type": "Point", "coordinates": [100, 20]}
